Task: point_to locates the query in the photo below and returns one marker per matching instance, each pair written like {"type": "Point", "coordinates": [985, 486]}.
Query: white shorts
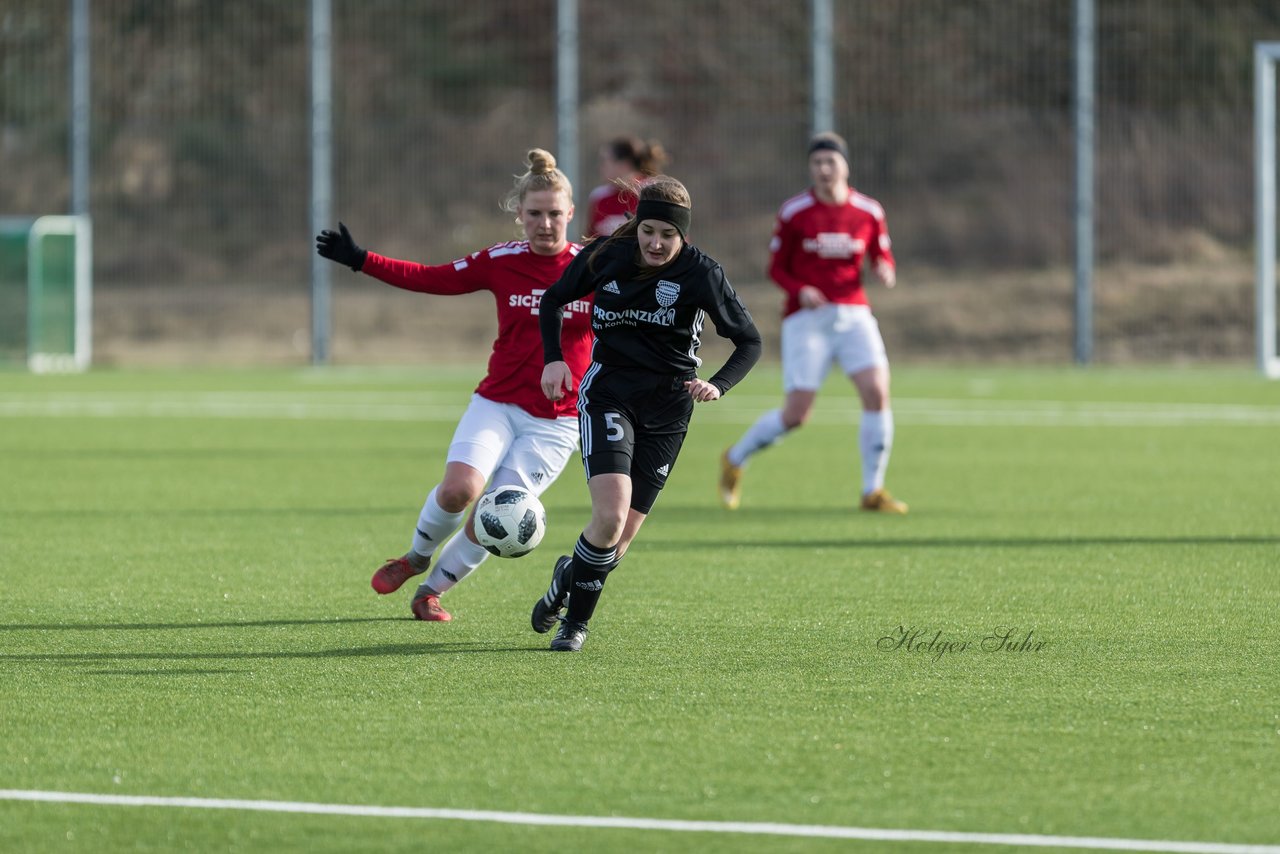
{"type": "Point", "coordinates": [493, 436]}
{"type": "Point", "coordinates": [815, 338]}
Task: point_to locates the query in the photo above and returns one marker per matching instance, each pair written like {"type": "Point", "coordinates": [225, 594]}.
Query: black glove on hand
{"type": "Point", "coordinates": [338, 246]}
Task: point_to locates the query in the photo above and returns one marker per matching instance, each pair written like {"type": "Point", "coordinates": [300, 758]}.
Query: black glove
{"type": "Point", "coordinates": [338, 246]}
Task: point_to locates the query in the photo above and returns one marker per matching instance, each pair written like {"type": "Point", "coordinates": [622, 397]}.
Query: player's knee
{"type": "Point", "coordinates": [453, 497]}
{"type": "Point", "coordinates": [875, 399]}
{"type": "Point", "coordinates": [873, 388]}
{"type": "Point", "coordinates": [606, 527]}
{"type": "Point", "coordinates": [795, 418]}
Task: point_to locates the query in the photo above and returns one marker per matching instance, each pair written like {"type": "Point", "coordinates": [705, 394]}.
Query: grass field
{"type": "Point", "coordinates": [186, 613]}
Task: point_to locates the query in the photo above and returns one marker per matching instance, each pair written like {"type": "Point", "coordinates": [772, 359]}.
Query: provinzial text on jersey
{"type": "Point", "coordinates": [631, 317]}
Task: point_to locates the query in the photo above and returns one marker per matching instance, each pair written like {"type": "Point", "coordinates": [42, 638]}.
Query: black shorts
{"type": "Point", "coordinates": [633, 422]}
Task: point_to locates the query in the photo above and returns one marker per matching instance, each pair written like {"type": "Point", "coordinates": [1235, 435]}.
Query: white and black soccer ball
{"type": "Point", "coordinates": [510, 521]}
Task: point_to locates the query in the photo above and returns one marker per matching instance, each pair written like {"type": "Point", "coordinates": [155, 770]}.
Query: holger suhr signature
{"type": "Point", "coordinates": [936, 644]}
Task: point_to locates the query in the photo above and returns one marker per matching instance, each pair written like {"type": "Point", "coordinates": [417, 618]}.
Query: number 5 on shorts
{"type": "Point", "coordinates": [615, 432]}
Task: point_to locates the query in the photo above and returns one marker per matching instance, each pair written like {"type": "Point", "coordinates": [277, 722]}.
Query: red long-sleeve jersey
{"type": "Point", "coordinates": [517, 277]}
{"type": "Point", "coordinates": [815, 243]}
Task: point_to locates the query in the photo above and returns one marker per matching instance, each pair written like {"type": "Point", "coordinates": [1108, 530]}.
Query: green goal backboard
{"type": "Point", "coordinates": [46, 311]}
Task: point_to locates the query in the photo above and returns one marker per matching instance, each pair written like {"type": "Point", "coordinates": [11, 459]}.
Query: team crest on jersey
{"type": "Point", "coordinates": [667, 293]}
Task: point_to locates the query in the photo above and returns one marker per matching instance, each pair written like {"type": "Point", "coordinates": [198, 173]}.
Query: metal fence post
{"type": "Point", "coordinates": [321, 172]}
{"type": "Point", "coordinates": [80, 107]}
{"type": "Point", "coordinates": [1084, 107]}
{"type": "Point", "coordinates": [823, 67]}
{"type": "Point", "coordinates": [1265, 55]}
{"type": "Point", "coordinates": [567, 88]}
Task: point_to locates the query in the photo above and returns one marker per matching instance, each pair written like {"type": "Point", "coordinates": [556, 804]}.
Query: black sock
{"type": "Point", "coordinates": [591, 567]}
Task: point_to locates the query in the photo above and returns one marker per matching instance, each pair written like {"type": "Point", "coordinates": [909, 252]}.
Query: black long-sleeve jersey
{"type": "Point", "coordinates": [652, 321]}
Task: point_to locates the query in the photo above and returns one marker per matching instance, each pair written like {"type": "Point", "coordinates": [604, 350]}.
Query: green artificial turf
{"type": "Point", "coordinates": [186, 612]}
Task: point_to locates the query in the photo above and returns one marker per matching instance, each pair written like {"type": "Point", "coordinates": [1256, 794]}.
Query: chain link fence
{"type": "Point", "coordinates": [958, 114]}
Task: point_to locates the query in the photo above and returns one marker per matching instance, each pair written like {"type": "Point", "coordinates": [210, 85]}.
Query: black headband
{"type": "Point", "coordinates": [677, 215]}
{"type": "Point", "coordinates": [828, 144]}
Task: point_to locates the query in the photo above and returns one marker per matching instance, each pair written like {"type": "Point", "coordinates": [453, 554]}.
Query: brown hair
{"type": "Point", "coordinates": [542, 174]}
{"type": "Point", "coordinates": [647, 158]}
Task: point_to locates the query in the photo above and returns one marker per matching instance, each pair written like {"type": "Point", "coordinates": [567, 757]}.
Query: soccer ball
{"type": "Point", "coordinates": [510, 521]}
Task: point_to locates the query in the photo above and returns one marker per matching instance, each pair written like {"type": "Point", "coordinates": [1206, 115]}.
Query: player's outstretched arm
{"type": "Point", "coordinates": [338, 246]}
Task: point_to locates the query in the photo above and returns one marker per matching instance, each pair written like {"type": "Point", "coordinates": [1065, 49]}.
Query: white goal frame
{"type": "Point", "coordinates": [1265, 56]}
{"type": "Point", "coordinates": [80, 229]}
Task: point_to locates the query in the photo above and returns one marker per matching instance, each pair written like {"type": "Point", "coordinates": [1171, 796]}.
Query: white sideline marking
{"type": "Point", "coordinates": [235, 405]}
{"type": "Point", "coordinates": [672, 825]}
{"type": "Point", "coordinates": [358, 406]}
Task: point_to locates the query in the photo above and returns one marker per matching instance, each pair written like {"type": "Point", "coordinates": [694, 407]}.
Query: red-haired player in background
{"type": "Point", "coordinates": [626, 162]}
{"type": "Point", "coordinates": [511, 434]}
{"type": "Point", "coordinates": [819, 244]}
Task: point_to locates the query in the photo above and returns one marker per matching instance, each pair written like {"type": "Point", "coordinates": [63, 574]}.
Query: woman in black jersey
{"type": "Point", "coordinates": [653, 292]}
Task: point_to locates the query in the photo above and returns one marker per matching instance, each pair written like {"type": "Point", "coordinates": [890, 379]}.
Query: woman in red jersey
{"type": "Point", "coordinates": [626, 162]}
{"type": "Point", "coordinates": [511, 434]}
{"type": "Point", "coordinates": [821, 240]}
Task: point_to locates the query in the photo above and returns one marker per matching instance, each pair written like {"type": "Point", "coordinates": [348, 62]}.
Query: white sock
{"type": "Point", "coordinates": [435, 524]}
{"type": "Point", "coordinates": [458, 559]}
{"type": "Point", "coordinates": [875, 440]}
{"type": "Point", "coordinates": [767, 430]}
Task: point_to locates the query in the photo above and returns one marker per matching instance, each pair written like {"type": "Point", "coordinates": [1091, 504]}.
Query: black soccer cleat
{"type": "Point", "coordinates": [570, 636]}
{"type": "Point", "coordinates": [546, 611]}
